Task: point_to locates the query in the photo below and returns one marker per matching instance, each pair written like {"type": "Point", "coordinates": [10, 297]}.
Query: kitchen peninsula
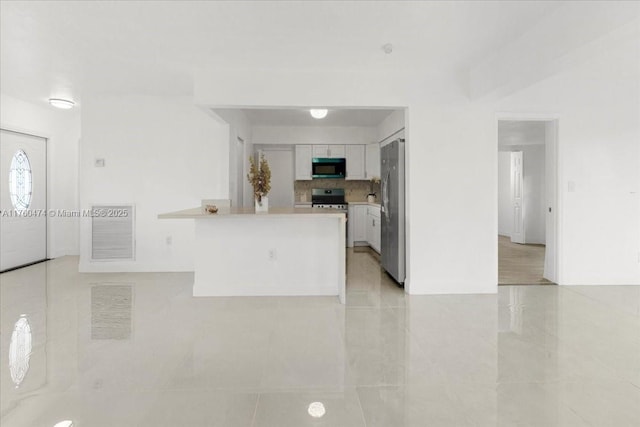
{"type": "Point", "coordinates": [287, 251]}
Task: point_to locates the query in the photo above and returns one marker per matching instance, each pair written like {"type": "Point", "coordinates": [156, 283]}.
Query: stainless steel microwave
{"type": "Point", "coordinates": [322, 167]}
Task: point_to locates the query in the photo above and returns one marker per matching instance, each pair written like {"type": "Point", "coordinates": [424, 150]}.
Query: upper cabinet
{"type": "Point", "coordinates": [303, 162]}
{"type": "Point", "coordinates": [363, 161]}
{"type": "Point", "coordinates": [329, 151]}
{"type": "Point", "coordinates": [354, 155]}
{"type": "Point", "coordinates": [373, 161]}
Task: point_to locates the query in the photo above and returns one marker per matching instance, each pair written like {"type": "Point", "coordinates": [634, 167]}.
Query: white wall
{"type": "Point", "coordinates": [314, 134]}
{"type": "Point", "coordinates": [238, 127]}
{"type": "Point", "coordinates": [534, 192]}
{"type": "Point", "coordinates": [390, 125]}
{"type": "Point", "coordinates": [282, 176]}
{"type": "Point", "coordinates": [62, 128]}
{"type": "Point", "coordinates": [162, 154]}
{"type": "Point", "coordinates": [505, 211]}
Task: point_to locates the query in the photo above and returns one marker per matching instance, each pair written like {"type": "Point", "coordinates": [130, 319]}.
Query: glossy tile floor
{"type": "Point", "coordinates": [138, 350]}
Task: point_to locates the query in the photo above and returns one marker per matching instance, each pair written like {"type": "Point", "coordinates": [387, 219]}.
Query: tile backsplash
{"type": "Point", "coordinates": [354, 191]}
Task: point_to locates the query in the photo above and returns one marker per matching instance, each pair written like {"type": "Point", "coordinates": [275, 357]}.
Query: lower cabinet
{"type": "Point", "coordinates": [373, 227]}
{"type": "Point", "coordinates": [364, 225]}
{"type": "Point", "coordinates": [357, 224]}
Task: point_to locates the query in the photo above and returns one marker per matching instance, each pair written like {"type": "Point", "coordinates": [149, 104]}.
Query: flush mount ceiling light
{"type": "Point", "coordinates": [319, 113]}
{"type": "Point", "coordinates": [65, 104]}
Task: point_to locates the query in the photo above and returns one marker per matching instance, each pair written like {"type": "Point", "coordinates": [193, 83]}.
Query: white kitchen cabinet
{"type": "Point", "coordinates": [357, 224]}
{"type": "Point", "coordinates": [373, 227]}
{"type": "Point", "coordinates": [329, 151]}
{"type": "Point", "coordinates": [303, 162]}
{"type": "Point", "coordinates": [354, 155]}
{"type": "Point", "coordinates": [372, 161]}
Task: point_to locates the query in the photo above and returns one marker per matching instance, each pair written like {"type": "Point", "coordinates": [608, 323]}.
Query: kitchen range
{"type": "Point", "coordinates": [330, 198]}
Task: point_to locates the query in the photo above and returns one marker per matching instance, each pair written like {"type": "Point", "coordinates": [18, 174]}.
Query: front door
{"type": "Point", "coordinates": [23, 199]}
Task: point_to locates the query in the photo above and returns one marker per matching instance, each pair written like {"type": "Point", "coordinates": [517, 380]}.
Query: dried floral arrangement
{"type": "Point", "coordinates": [372, 181]}
{"type": "Point", "coordinates": [259, 177]}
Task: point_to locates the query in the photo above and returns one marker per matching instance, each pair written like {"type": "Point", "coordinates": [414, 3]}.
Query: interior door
{"type": "Point", "coordinates": [517, 197]}
{"type": "Point", "coordinates": [23, 199]}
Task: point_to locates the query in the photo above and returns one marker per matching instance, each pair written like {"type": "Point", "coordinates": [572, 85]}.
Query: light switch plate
{"type": "Point", "coordinates": [99, 163]}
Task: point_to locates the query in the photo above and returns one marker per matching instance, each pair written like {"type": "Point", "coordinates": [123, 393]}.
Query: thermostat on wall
{"type": "Point", "coordinates": [99, 163]}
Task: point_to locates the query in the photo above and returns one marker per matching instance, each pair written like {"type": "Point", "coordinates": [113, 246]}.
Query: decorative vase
{"type": "Point", "coordinates": [263, 205]}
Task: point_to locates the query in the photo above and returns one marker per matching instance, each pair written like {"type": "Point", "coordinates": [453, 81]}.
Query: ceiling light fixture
{"type": "Point", "coordinates": [319, 113]}
{"type": "Point", "coordinates": [387, 48]}
{"type": "Point", "coordinates": [65, 423]}
{"type": "Point", "coordinates": [65, 104]}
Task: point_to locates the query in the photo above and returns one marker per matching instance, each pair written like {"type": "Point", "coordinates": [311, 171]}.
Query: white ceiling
{"type": "Point", "coordinates": [66, 49]}
{"type": "Point", "coordinates": [298, 117]}
{"type": "Point", "coordinates": [514, 132]}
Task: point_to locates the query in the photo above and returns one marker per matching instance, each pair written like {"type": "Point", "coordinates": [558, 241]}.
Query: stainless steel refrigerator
{"type": "Point", "coordinates": [393, 210]}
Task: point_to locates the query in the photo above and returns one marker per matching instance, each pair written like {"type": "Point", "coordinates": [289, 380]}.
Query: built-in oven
{"type": "Point", "coordinates": [322, 167]}
{"type": "Point", "coordinates": [330, 198]}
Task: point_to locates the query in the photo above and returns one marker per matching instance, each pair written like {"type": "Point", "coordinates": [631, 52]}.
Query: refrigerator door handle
{"type": "Point", "coordinates": [385, 196]}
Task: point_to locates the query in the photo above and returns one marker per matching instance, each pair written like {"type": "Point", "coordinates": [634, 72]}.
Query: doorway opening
{"type": "Point", "coordinates": [292, 140]}
{"type": "Point", "coordinates": [527, 201]}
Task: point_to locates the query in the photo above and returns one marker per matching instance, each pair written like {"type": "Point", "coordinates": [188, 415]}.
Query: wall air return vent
{"type": "Point", "coordinates": [112, 233]}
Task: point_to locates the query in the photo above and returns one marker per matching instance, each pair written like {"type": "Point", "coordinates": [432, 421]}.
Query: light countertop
{"type": "Point", "coordinates": [200, 213]}
{"type": "Point", "coordinates": [365, 203]}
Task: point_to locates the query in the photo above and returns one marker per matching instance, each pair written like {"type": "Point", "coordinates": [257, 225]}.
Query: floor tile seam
{"type": "Point", "coordinates": [597, 301]}
{"type": "Point", "coordinates": [612, 369]}
{"type": "Point", "coordinates": [575, 349]}
{"type": "Point", "coordinates": [303, 389]}
{"type": "Point", "coordinates": [269, 351]}
{"type": "Point", "coordinates": [364, 420]}
{"type": "Point", "coordinates": [555, 381]}
{"type": "Point", "coordinates": [580, 417]}
{"type": "Point", "coordinates": [570, 378]}
{"type": "Point", "coordinates": [379, 385]}
{"type": "Point", "coordinates": [255, 411]}
{"type": "Point", "coordinates": [594, 381]}
{"type": "Point", "coordinates": [542, 331]}
{"type": "Point", "coordinates": [444, 383]}
{"type": "Point", "coordinates": [379, 308]}
{"type": "Point", "coordinates": [493, 344]}
{"type": "Point", "coordinates": [536, 345]}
